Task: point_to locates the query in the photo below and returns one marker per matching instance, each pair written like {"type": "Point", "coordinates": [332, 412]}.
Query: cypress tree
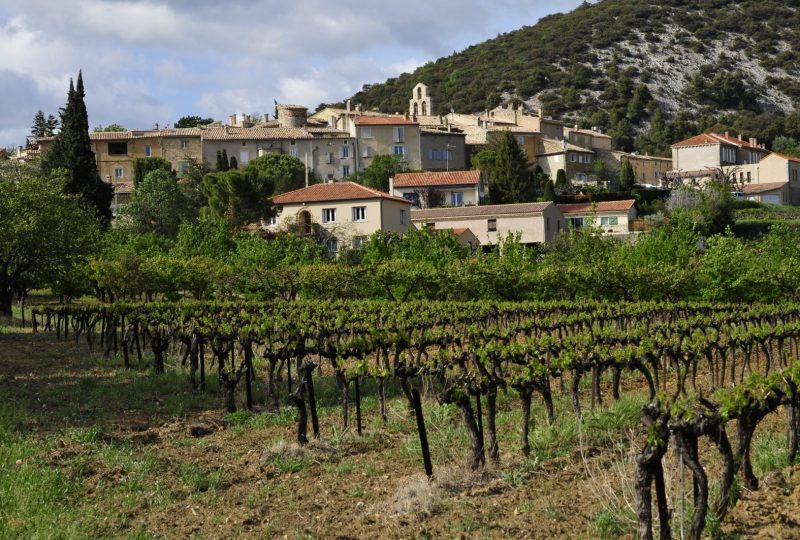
{"type": "Point", "coordinates": [220, 166]}
{"type": "Point", "coordinates": [72, 150]}
{"type": "Point", "coordinates": [549, 192]}
{"type": "Point", "coordinates": [626, 177]}
{"type": "Point", "coordinates": [561, 179]}
{"type": "Point", "coordinates": [39, 127]}
{"type": "Point", "coordinates": [224, 161]}
{"type": "Point", "coordinates": [234, 163]}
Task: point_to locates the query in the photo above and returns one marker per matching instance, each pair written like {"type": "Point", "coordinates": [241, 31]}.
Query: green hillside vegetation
{"type": "Point", "coordinates": [577, 68]}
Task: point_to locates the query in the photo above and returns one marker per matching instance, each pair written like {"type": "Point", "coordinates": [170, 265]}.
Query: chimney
{"type": "Point", "coordinates": [741, 136]}
{"type": "Point", "coordinates": [232, 120]}
{"type": "Point", "coordinates": [727, 134]}
{"type": "Point", "coordinates": [266, 117]}
{"type": "Point", "coordinates": [19, 151]}
{"type": "Point", "coordinates": [156, 126]}
{"type": "Point", "coordinates": [391, 185]}
{"type": "Point", "coordinates": [348, 106]}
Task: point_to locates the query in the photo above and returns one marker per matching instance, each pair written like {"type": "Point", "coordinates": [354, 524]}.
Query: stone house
{"type": "Point", "coordinates": [535, 223]}
{"type": "Point", "coordinates": [349, 213]}
{"type": "Point", "coordinates": [712, 150]}
{"type": "Point", "coordinates": [613, 217]}
{"type": "Point", "coordinates": [428, 189]}
{"type": "Point", "coordinates": [442, 149]}
{"type": "Point", "coordinates": [396, 135]}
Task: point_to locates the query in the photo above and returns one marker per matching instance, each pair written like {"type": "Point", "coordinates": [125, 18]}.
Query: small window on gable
{"type": "Point", "coordinates": [148, 151]}
{"type": "Point", "coordinates": [184, 144]}
{"type": "Point", "coordinates": [491, 225]}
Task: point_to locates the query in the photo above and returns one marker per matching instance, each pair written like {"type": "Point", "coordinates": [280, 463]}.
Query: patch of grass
{"type": "Point", "coordinates": [609, 523]}
{"type": "Point", "coordinates": [769, 453]}
{"type": "Point", "coordinates": [197, 479]}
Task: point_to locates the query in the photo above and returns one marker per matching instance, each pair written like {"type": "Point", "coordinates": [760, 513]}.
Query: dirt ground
{"type": "Point", "coordinates": [216, 476]}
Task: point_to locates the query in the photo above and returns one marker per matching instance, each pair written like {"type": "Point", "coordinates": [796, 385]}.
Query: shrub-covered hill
{"type": "Point", "coordinates": [624, 65]}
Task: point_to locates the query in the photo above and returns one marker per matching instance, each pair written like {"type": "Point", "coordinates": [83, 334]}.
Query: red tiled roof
{"type": "Point", "coordinates": [450, 178]}
{"type": "Point", "coordinates": [763, 188]}
{"type": "Point", "coordinates": [396, 120]}
{"type": "Point", "coordinates": [715, 138]}
{"type": "Point", "coordinates": [479, 211]}
{"type": "Point", "coordinates": [336, 191]}
{"type": "Point", "coordinates": [605, 206]}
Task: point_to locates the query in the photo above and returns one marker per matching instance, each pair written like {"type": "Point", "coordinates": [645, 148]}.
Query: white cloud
{"type": "Point", "coordinates": [147, 61]}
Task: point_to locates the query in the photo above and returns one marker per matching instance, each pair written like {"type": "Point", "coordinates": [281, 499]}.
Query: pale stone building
{"type": "Point", "coordinates": [535, 223]}
{"type": "Point", "coordinates": [396, 135]}
{"type": "Point", "coordinates": [612, 217]}
{"type": "Point", "coordinates": [348, 212]}
{"type": "Point", "coordinates": [428, 189]}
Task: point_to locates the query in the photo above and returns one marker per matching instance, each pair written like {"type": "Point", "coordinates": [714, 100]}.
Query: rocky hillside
{"type": "Point", "coordinates": [648, 72]}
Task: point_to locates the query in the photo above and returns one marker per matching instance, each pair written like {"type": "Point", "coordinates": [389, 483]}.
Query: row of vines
{"type": "Point", "coordinates": [704, 366]}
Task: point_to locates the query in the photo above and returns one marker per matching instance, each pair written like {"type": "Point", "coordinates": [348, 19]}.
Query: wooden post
{"type": "Point", "coordinates": [423, 435]}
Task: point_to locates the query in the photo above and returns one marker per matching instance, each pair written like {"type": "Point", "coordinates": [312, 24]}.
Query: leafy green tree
{"type": "Point", "coordinates": [627, 179]}
{"type": "Point", "coordinates": [377, 174]}
{"type": "Point", "coordinates": [786, 145]}
{"type": "Point", "coordinates": [109, 128]}
{"type": "Point", "coordinates": [243, 196]}
{"type": "Point", "coordinates": [45, 235]}
{"type": "Point", "coordinates": [192, 121]}
{"type": "Point", "coordinates": [72, 150]}
{"type": "Point", "coordinates": [207, 237]}
{"type": "Point", "coordinates": [143, 166]}
{"type": "Point", "coordinates": [506, 168]}
{"type": "Point", "coordinates": [159, 205]}
{"type": "Point", "coordinates": [286, 173]}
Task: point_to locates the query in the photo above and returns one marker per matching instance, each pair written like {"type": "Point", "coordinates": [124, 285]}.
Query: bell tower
{"type": "Point", "coordinates": [420, 102]}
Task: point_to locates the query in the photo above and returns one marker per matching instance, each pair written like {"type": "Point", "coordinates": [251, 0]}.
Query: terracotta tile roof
{"type": "Point", "coordinates": [605, 206]}
{"type": "Point", "coordinates": [715, 138]}
{"type": "Point", "coordinates": [479, 211]}
{"type": "Point", "coordinates": [111, 135]}
{"type": "Point", "coordinates": [451, 178]}
{"type": "Point", "coordinates": [123, 188]}
{"type": "Point", "coordinates": [396, 120]}
{"type": "Point", "coordinates": [515, 129]}
{"type": "Point", "coordinates": [456, 132]}
{"type": "Point", "coordinates": [267, 134]}
{"type": "Point", "coordinates": [590, 132]}
{"type": "Point", "coordinates": [763, 188]}
{"type": "Point", "coordinates": [336, 191]}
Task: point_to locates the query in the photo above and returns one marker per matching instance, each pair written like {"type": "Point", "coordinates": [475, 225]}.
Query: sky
{"type": "Point", "coordinates": [153, 61]}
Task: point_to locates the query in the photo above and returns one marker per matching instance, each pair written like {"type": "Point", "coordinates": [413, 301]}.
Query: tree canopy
{"type": "Point", "coordinates": [192, 121]}
{"type": "Point", "coordinates": [505, 167]}
{"type": "Point", "coordinates": [72, 150]}
{"type": "Point", "coordinates": [45, 235]}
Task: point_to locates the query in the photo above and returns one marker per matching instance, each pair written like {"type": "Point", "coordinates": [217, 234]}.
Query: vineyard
{"type": "Point", "coordinates": [708, 371]}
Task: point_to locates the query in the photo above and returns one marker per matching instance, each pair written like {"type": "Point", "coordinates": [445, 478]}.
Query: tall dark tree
{"type": "Point", "coordinates": [43, 127]}
{"type": "Point", "coordinates": [626, 177]}
{"type": "Point", "coordinates": [506, 169]}
{"type": "Point", "coordinates": [72, 150]}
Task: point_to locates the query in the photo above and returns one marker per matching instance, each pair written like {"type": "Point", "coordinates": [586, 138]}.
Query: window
{"type": "Point", "coordinates": [293, 151]}
{"type": "Point", "coordinates": [333, 245]}
{"type": "Point", "coordinates": [117, 149]}
{"type": "Point", "coordinates": [329, 215]}
{"type": "Point", "coordinates": [244, 157]}
{"type": "Point", "coordinates": [402, 217]}
{"type": "Point", "coordinates": [413, 198]}
{"type": "Point", "coordinates": [148, 150]}
{"type": "Point", "coordinates": [457, 198]}
{"type": "Point", "coordinates": [359, 241]}
{"type": "Point", "coordinates": [366, 152]}
{"type": "Point", "coordinates": [547, 224]}
{"type": "Point", "coordinates": [345, 151]}
{"type": "Point", "coordinates": [366, 133]}
{"type": "Point", "coordinates": [118, 172]}
{"type": "Point", "coordinates": [399, 134]}
{"type": "Point", "coordinates": [345, 171]}
{"type": "Point", "coordinates": [328, 157]}
{"type": "Point", "coordinates": [521, 140]}
{"type": "Point", "coordinates": [607, 221]}
{"type": "Point", "coordinates": [272, 220]}
{"type": "Point", "coordinates": [749, 178]}
{"type": "Point", "coordinates": [576, 223]}
{"type": "Point", "coordinates": [491, 225]}
{"type": "Point", "coordinates": [184, 144]}
{"type": "Point", "coordinates": [359, 213]}
{"type": "Point", "coordinates": [572, 157]}
{"type": "Point", "coordinates": [399, 150]}
{"type": "Point", "coordinates": [183, 167]}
